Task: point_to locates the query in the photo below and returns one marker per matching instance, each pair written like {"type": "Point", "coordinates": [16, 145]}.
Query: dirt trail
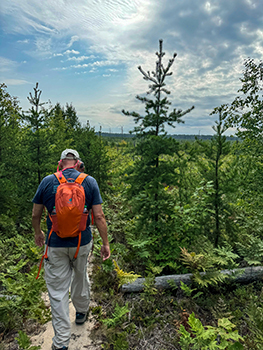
{"type": "Point", "coordinates": [80, 334]}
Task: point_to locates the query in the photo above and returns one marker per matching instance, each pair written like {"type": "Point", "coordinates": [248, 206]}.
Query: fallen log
{"type": "Point", "coordinates": [240, 275]}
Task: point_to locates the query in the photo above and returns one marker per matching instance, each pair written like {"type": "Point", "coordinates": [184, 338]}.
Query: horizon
{"type": "Point", "coordinates": [176, 134]}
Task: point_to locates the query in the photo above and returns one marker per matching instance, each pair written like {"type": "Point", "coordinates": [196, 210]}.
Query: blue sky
{"type": "Point", "coordinates": [86, 52]}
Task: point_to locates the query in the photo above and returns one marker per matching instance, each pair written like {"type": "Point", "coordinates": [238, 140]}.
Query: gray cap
{"type": "Point", "coordinates": [67, 151]}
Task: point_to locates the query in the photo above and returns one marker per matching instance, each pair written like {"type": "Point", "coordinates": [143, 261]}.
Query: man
{"type": "Point", "coordinates": [60, 263]}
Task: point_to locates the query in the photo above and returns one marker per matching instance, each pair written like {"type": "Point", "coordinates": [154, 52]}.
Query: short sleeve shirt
{"type": "Point", "coordinates": [46, 195]}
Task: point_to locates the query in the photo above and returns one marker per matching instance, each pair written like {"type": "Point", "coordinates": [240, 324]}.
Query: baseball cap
{"type": "Point", "coordinates": [67, 151]}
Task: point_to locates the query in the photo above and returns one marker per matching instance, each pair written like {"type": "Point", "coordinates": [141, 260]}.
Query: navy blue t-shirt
{"type": "Point", "coordinates": [46, 195]}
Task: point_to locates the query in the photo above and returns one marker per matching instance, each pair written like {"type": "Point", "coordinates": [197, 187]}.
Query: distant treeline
{"type": "Point", "coordinates": [185, 137]}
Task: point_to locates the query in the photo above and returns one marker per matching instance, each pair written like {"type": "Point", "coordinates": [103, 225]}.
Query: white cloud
{"type": "Point", "coordinates": [94, 64]}
{"type": "Point", "coordinates": [217, 21]}
{"type": "Point", "coordinates": [80, 58]}
{"type": "Point", "coordinates": [93, 70]}
{"type": "Point", "coordinates": [209, 7]}
{"type": "Point", "coordinates": [61, 68]}
{"type": "Point", "coordinates": [211, 38]}
{"type": "Point", "coordinates": [26, 41]}
{"type": "Point", "coordinates": [78, 66]}
{"type": "Point", "coordinates": [73, 39]}
{"type": "Point", "coordinates": [104, 115]}
{"type": "Point", "coordinates": [44, 46]}
{"type": "Point", "coordinates": [252, 4]}
{"type": "Point", "coordinates": [7, 64]}
{"type": "Point", "coordinates": [15, 81]}
{"type": "Point", "coordinates": [68, 52]}
{"type": "Point", "coordinates": [97, 23]}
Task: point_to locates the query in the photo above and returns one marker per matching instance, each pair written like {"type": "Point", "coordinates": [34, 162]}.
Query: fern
{"type": "Point", "coordinates": [192, 260]}
{"type": "Point", "coordinates": [220, 310]}
{"type": "Point", "coordinates": [212, 338]}
{"type": "Point", "coordinates": [20, 292]}
{"type": "Point", "coordinates": [125, 277]}
{"type": "Point", "coordinates": [209, 262]}
{"type": "Point", "coordinates": [251, 249]}
{"type": "Point", "coordinates": [225, 257]}
{"type": "Point", "coordinates": [156, 270]}
{"type": "Point", "coordinates": [149, 289]}
{"type": "Point", "coordinates": [188, 291]}
{"type": "Point", "coordinates": [172, 284]}
{"type": "Point", "coordinates": [24, 342]}
{"type": "Point", "coordinates": [117, 316]}
{"type": "Point", "coordinates": [255, 321]}
{"type": "Point", "coordinates": [209, 278]}
{"type": "Point", "coordinates": [139, 243]}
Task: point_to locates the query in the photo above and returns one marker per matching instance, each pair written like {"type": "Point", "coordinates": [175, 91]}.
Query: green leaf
{"type": "Point", "coordinates": [235, 346]}
{"type": "Point", "coordinates": [226, 323]}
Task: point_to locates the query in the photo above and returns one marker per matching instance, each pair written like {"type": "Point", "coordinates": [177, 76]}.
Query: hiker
{"type": "Point", "coordinates": [66, 259]}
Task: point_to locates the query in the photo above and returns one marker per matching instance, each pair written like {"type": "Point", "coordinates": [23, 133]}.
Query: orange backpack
{"type": "Point", "coordinates": [69, 216]}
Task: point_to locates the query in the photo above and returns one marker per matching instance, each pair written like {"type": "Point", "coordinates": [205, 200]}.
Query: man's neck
{"type": "Point", "coordinates": [68, 167]}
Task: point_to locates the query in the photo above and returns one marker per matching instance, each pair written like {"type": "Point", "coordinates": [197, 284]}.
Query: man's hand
{"type": "Point", "coordinates": [40, 238]}
{"type": "Point", "coordinates": [105, 252]}
{"type": "Point", "coordinates": [36, 219]}
{"type": "Point", "coordinates": [102, 227]}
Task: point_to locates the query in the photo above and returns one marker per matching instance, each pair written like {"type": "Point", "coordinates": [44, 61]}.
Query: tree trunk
{"type": "Point", "coordinates": [245, 275]}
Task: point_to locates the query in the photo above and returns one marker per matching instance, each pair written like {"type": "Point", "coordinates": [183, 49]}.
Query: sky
{"type": "Point", "coordinates": [87, 52]}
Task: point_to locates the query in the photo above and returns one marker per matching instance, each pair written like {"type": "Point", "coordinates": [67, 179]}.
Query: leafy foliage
{"type": "Point", "coordinates": [117, 316]}
{"type": "Point", "coordinates": [209, 263]}
{"type": "Point", "coordinates": [251, 249]}
{"type": "Point", "coordinates": [24, 342]}
{"type": "Point", "coordinates": [188, 291]}
{"type": "Point", "coordinates": [246, 109]}
{"type": "Point", "coordinates": [125, 277]}
{"type": "Point", "coordinates": [220, 310]}
{"type": "Point", "coordinates": [20, 292]}
{"type": "Point", "coordinates": [212, 338]}
{"type": "Point", "coordinates": [255, 320]}
{"type": "Point", "coordinates": [9, 148]}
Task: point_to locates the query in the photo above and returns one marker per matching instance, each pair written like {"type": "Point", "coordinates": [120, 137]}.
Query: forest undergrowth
{"type": "Point", "coordinates": [210, 313]}
{"type": "Point", "coordinates": [171, 208]}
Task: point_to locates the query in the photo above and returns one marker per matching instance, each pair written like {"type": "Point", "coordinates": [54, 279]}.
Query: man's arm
{"type": "Point", "coordinates": [102, 227]}
{"type": "Point", "coordinates": [36, 219]}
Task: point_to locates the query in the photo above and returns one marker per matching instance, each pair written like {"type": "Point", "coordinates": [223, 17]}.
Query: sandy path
{"type": "Point", "coordinates": [80, 334]}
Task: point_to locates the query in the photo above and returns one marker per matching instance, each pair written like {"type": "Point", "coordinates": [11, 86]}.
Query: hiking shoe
{"type": "Point", "coordinates": [81, 317]}
{"type": "Point", "coordinates": [64, 348]}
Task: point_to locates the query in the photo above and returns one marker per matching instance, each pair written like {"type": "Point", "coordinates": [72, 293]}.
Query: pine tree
{"type": "Point", "coordinates": [93, 153]}
{"type": "Point", "coordinates": [157, 117]}
{"type": "Point", "coordinates": [246, 114]}
{"type": "Point", "coordinates": [36, 135]}
{"type": "Point", "coordinates": [246, 111]}
{"type": "Point", "coordinates": [152, 174]}
{"type": "Point", "coordinates": [217, 167]}
{"type": "Point", "coordinates": [58, 138]}
{"type": "Point", "coordinates": [9, 150]}
{"type": "Point", "coordinates": [71, 118]}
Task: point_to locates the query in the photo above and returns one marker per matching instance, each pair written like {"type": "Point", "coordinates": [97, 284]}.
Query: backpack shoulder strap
{"type": "Point", "coordinates": [61, 178]}
{"type": "Point", "coordinates": [80, 178]}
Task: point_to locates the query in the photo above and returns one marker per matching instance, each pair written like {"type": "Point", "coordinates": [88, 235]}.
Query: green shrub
{"type": "Point", "coordinates": [209, 338]}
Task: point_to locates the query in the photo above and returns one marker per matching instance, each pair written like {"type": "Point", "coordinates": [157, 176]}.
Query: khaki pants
{"type": "Point", "coordinates": [61, 273]}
